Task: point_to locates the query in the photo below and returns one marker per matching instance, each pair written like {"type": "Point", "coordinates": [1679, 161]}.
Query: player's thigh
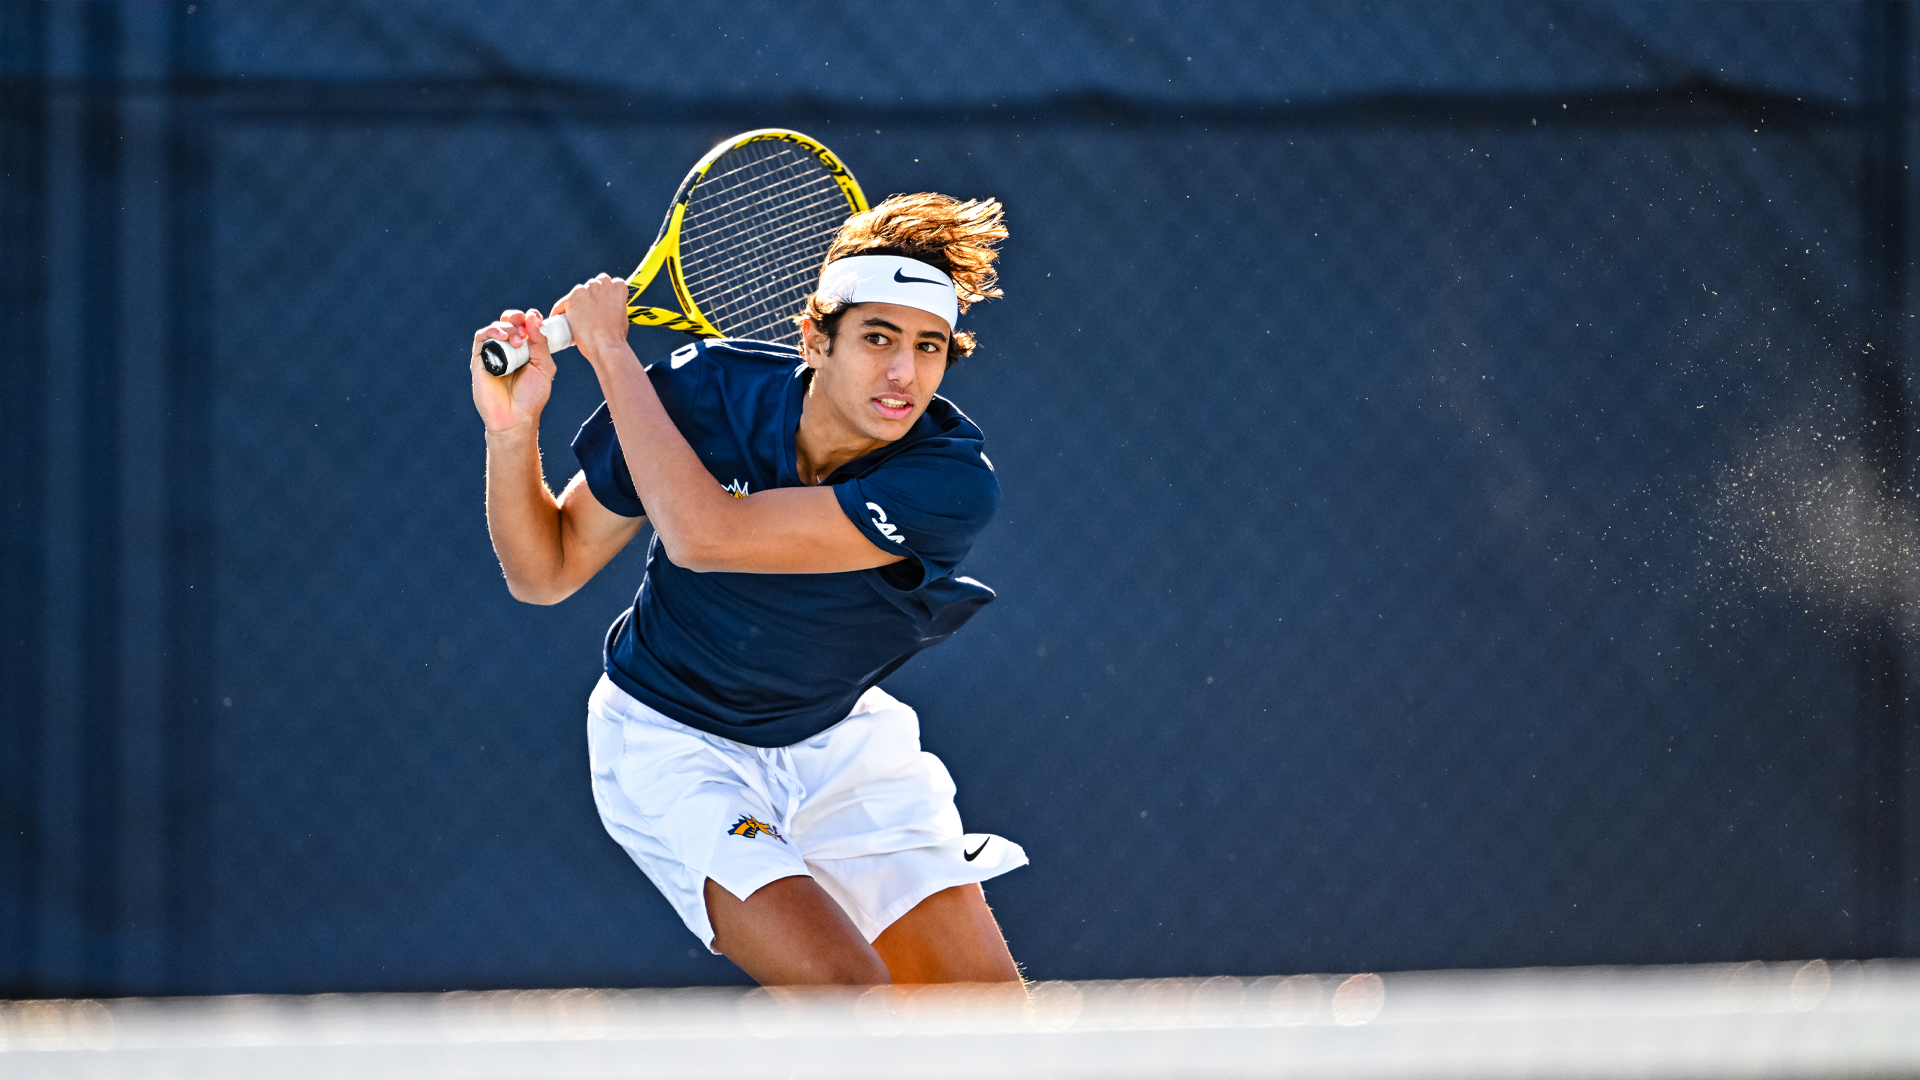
{"type": "Point", "coordinates": [949, 937]}
{"type": "Point", "coordinates": [791, 933]}
{"type": "Point", "coordinates": [686, 806]}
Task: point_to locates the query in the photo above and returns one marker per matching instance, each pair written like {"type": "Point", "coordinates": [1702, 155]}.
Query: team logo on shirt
{"type": "Point", "coordinates": [891, 532]}
{"type": "Point", "coordinates": [737, 488]}
{"type": "Point", "coordinates": [750, 827]}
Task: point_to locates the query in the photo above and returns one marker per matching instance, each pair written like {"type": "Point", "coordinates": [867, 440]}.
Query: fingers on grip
{"type": "Point", "coordinates": [500, 358]}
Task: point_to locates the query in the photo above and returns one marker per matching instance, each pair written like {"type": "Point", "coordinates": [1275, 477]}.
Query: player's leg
{"type": "Point", "coordinates": [882, 838]}
{"type": "Point", "coordinates": [949, 937]}
{"type": "Point", "coordinates": [791, 933]}
{"type": "Point", "coordinates": [703, 818]}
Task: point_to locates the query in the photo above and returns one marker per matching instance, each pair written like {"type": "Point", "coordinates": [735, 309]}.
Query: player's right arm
{"type": "Point", "coordinates": [548, 546]}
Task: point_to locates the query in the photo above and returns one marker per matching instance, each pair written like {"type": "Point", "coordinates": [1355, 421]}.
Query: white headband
{"type": "Point", "coordinates": [891, 279]}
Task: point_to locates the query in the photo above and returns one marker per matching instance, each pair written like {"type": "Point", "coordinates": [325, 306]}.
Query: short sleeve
{"type": "Point", "coordinates": [927, 503]}
{"type": "Point", "coordinates": [598, 449]}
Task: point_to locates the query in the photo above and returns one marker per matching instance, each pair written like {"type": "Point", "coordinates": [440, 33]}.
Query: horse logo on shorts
{"type": "Point", "coordinates": [750, 827]}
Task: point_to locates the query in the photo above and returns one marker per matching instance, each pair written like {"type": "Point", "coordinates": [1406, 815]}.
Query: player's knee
{"type": "Point", "coordinates": [856, 969]}
{"type": "Point", "coordinates": [796, 964]}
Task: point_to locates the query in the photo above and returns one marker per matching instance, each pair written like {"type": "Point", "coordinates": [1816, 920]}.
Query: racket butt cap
{"type": "Point", "coordinates": [497, 357]}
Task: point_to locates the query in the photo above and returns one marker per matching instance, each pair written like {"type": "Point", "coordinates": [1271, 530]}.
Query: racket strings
{"type": "Point", "coordinates": [751, 176]}
{"type": "Point", "coordinates": [783, 242]}
{"type": "Point", "coordinates": [756, 249]}
{"type": "Point", "coordinates": [755, 233]}
{"type": "Point", "coordinates": [771, 280]}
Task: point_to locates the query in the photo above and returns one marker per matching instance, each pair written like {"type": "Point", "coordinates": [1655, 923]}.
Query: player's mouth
{"type": "Point", "coordinates": [892, 407]}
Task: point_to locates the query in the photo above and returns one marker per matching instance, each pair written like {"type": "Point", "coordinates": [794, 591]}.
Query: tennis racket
{"type": "Point", "coordinates": [743, 244]}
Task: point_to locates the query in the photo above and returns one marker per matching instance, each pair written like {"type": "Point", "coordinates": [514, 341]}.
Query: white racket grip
{"type": "Point", "coordinates": [500, 358]}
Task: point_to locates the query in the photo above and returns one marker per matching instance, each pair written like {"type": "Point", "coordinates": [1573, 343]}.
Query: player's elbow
{"type": "Point", "coordinates": [700, 562]}
{"type": "Point", "coordinates": [543, 593]}
{"type": "Point", "coordinates": [702, 555]}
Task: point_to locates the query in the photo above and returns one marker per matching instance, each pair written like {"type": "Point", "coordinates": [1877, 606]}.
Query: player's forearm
{"type": "Point", "coordinates": [689, 510]}
{"type": "Point", "coordinates": [523, 519]}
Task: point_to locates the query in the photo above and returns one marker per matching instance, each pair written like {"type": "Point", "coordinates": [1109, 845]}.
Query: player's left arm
{"type": "Point", "coordinates": [701, 525]}
{"type": "Point", "coordinates": [781, 531]}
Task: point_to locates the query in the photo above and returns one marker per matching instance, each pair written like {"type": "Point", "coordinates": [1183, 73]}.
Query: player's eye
{"type": "Point", "coordinates": [876, 339]}
{"type": "Point", "coordinates": [930, 347]}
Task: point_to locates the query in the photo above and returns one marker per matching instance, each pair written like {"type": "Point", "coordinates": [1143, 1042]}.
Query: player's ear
{"type": "Point", "coordinates": [814, 344]}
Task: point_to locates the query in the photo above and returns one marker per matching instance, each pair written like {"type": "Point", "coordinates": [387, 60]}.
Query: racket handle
{"type": "Point", "coordinates": [500, 358]}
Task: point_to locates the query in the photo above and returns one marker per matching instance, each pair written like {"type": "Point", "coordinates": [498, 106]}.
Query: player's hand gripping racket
{"type": "Point", "coordinates": [743, 244]}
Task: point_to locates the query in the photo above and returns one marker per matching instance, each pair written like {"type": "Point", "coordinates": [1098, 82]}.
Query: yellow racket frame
{"type": "Point", "coordinates": [665, 253]}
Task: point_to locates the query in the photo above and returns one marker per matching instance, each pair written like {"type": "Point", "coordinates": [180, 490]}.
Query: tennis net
{"type": "Point", "coordinates": [1811, 1019]}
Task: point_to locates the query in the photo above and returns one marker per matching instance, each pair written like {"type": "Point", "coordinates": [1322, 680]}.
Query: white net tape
{"type": "Point", "coordinates": [1748, 1020]}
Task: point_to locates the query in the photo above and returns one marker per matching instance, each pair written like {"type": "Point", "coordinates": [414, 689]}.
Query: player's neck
{"type": "Point", "coordinates": [824, 441]}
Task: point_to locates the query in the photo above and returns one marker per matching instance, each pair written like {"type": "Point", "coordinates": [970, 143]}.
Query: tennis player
{"type": "Point", "coordinates": [810, 508]}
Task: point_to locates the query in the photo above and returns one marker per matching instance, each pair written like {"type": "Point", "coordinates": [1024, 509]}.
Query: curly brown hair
{"type": "Point", "coordinates": [958, 238]}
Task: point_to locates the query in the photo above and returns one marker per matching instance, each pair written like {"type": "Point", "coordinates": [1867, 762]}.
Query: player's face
{"type": "Point", "coordinates": [886, 363]}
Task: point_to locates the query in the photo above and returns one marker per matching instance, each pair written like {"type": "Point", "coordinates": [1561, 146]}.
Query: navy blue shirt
{"type": "Point", "coordinates": [774, 659]}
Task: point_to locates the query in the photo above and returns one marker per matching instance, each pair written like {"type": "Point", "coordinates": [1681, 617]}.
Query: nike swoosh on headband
{"type": "Point", "coordinates": [878, 279]}
{"type": "Point", "coordinates": [904, 279]}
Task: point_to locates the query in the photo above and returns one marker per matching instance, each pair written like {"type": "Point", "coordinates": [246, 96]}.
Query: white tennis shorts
{"type": "Point", "coordinates": [860, 808]}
